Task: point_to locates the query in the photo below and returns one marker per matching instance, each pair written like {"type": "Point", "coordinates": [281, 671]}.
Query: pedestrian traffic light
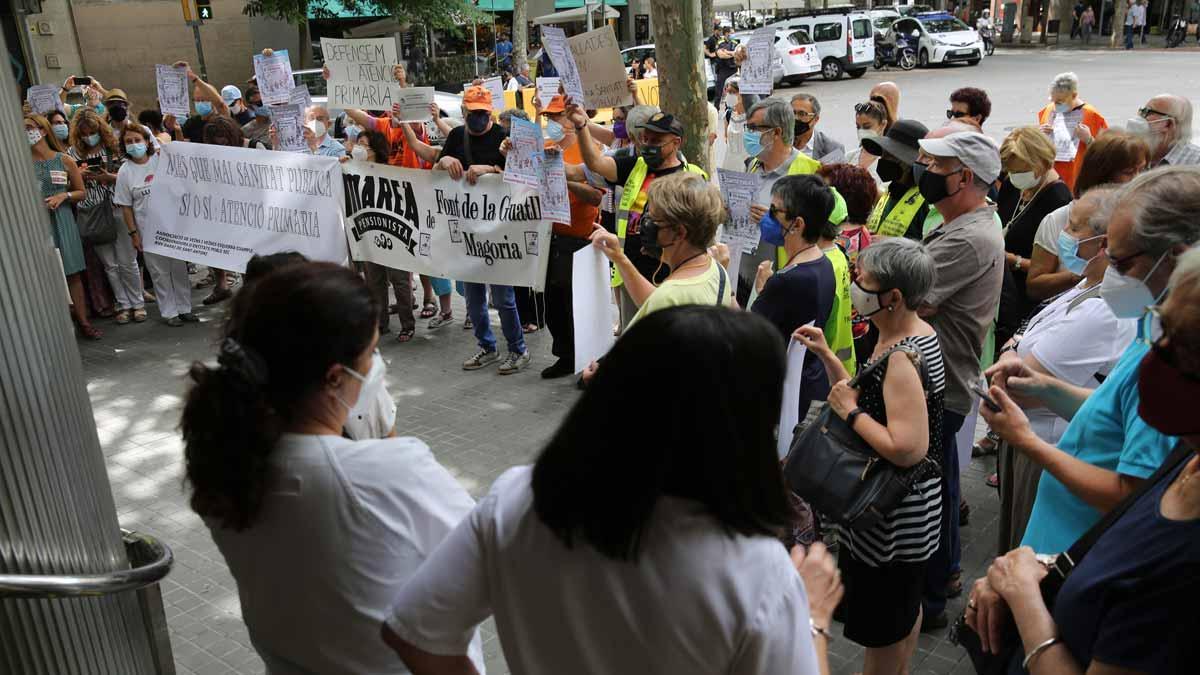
{"type": "Point", "coordinates": [204, 9]}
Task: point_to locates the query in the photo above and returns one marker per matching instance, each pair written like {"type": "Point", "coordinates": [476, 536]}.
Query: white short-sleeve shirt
{"type": "Point", "coordinates": [1075, 338]}
{"type": "Point", "coordinates": [133, 187]}
{"type": "Point", "coordinates": [344, 524]}
{"type": "Point", "coordinates": [696, 601]}
{"type": "Point", "coordinates": [1050, 227]}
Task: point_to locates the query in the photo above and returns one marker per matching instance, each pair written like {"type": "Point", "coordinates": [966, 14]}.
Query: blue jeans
{"type": "Point", "coordinates": [947, 559]}
{"type": "Point", "coordinates": [440, 286]}
{"type": "Point", "coordinates": [506, 304]}
{"type": "Point", "coordinates": [1128, 37]}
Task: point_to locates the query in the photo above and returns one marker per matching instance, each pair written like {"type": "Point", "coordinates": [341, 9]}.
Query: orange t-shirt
{"type": "Point", "coordinates": [583, 215]}
{"type": "Point", "coordinates": [1094, 122]}
{"type": "Point", "coordinates": [402, 154]}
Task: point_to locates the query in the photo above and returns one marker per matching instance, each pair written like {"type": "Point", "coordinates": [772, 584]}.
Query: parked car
{"type": "Point", "coordinates": [777, 68]}
{"type": "Point", "coordinates": [799, 55]}
{"type": "Point", "coordinates": [642, 51]}
{"type": "Point", "coordinates": [844, 37]}
{"type": "Point", "coordinates": [882, 20]}
{"type": "Point", "coordinates": [450, 104]}
{"type": "Point", "coordinates": [904, 10]}
{"type": "Point", "coordinates": [941, 38]}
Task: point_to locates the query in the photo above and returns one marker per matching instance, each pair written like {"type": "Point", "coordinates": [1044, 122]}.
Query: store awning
{"type": "Point", "coordinates": [572, 4]}
{"type": "Point", "coordinates": [507, 5]}
{"type": "Point", "coordinates": [574, 15]}
{"type": "Point", "coordinates": [335, 9]}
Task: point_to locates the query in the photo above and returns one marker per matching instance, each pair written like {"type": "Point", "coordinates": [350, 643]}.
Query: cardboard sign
{"type": "Point", "coordinates": [361, 72]}
{"type": "Point", "coordinates": [601, 71]}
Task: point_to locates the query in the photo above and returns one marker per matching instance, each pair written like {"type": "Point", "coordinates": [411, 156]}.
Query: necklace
{"type": "Point", "coordinates": [681, 265]}
{"type": "Point", "coordinates": [1023, 205]}
{"type": "Point", "coordinates": [794, 256]}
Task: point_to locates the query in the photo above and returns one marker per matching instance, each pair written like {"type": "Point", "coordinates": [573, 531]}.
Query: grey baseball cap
{"type": "Point", "coordinates": [977, 152]}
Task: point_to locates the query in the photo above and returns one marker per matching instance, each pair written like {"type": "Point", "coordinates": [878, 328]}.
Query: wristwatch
{"type": "Point", "coordinates": [851, 416]}
{"type": "Point", "coordinates": [819, 630]}
{"type": "Point", "coordinates": [1017, 264]}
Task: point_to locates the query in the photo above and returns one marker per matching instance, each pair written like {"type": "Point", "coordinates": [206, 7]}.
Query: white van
{"type": "Point", "coordinates": [844, 37]}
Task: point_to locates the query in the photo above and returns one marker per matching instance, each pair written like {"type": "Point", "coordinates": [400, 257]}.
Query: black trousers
{"type": "Point", "coordinates": [560, 318]}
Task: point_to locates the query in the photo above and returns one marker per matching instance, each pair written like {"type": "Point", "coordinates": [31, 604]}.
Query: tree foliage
{"type": "Point", "coordinates": [443, 14]}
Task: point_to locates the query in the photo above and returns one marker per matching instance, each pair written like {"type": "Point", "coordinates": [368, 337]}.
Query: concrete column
{"type": "Point", "coordinates": [56, 507]}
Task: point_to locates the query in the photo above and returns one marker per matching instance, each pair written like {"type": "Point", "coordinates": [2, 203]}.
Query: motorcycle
{"type": "Point", "coordinates": [898, 53]}
{"type": "Point", "coordinates": [1177, 32]}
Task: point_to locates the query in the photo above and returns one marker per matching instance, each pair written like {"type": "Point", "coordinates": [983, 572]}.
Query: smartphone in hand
{"type": "Point", "coordinates": [980, 388]}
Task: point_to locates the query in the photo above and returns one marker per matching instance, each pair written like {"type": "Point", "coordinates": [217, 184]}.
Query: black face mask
{"type": "Point", "coordinates": [118, 112]}
{"type": "Point", "coordinates": [888, 169]}
{"type": "Point", "coordinates": [933, 185]}
{"type": "Point", "coordinates": [801, 128]}
{"type": "Point", "coordinates": [477, 122]}
{"type": "Point", "coordinates": [648, 236]}
{"type": "Point", "coordinates": [652, 155]}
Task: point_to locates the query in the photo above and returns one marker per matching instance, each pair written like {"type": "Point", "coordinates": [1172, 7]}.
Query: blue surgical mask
{"type": "Point", "coordinates": [1068, 252]}
{"type": "Point", "coordinates": [93, 140]}
{"type": "Point", "coordinates": [752, 142]}
{"type": "Point", "coordinates": [1061, 108]}
{"type": "Point", "coordinates": [136, 150]}
{"type": "Point", "coordinates": [60, 131]}
{"type": "Point", "coordinates": [204, 108]}
{"type": "Point", "coordinates": [554, 131]}
{"type": "Point", "coordinates": [771, 229]}
{"type": "Point", "coordinates": [352, 131]}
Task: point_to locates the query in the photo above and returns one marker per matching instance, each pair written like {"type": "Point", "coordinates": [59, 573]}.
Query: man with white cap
{"type": "Point", "coordinates": [953, 174]}
{"type": "Point", "coordinates": [232, 96]}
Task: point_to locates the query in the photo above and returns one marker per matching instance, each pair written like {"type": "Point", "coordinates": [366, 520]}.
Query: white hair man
{"type": "Point", "coordinates": [1165, 122]}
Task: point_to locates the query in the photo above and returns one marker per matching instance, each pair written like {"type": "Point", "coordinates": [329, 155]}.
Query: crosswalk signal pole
{"type": "Point", "coordinates": [192, 16]}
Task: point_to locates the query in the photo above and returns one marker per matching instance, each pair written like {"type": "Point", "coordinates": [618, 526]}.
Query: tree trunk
{"type": "Point", "coordinates": [1026, 23]}
{"type": "Point", "coordinates": [707, 16]}
{"type": "Point", "coordinates": [520, 34]}
{"type": "Point", "coordinates": [1066, 20]}
{"type": "Point", "coordinates": [682, 84]}
{"type": "Point", "coordinates": [306, 52]}
{"type": "Point", "coordinates": [1118, 24]}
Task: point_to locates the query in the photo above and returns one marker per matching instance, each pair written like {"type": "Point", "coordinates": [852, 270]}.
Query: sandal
{"type": "Point", "coordinates": [122, 317]}
{"type": "Point", "coordinates": [954, 587]}
{"type": "Point", "coordinates": [90, 332]}
{"type": "Point", "coordinates": [993, 481]}
{"type": "Point", "coordinates": [530, 328]}
{"type": "Point", "coordinates": [139, 315]}
{"type": "Point", "coordinates": [405, 334]}
{"type": "Point", "coordinates": [986, 446]}
{"type": "Point", "coordinates": [467, 325]}
{"type": "Point", "coordinates": [429, 310]}
{"type": "Point", "coordinates": [441, 320]}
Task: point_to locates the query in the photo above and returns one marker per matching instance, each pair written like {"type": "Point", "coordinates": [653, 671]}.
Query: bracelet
{"type": "Point", "coordinates": [853, 415]}
{"type": "Point", "coordinates": [132, 232]}
{"type": "Point", "coordinates": [1037, 651]}
{"type": "Point", "coordinates": [580, 127]}
{"type": "Point", "coordinates": [819, 630]}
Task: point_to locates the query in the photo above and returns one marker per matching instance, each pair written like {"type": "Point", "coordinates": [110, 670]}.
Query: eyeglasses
{"type": "Point", "coordinates": [804, 116]}
{"type": "Point", "coordinates": [1146, 112]}
{"type": "Point", "coordinates": [1123, 262]}
{"type": "Point", "coordinates": [772, 209]}
{"type": "Point", "coordinates": [955, 114]}
{"type": "Point", "coordinates": [759, 128]}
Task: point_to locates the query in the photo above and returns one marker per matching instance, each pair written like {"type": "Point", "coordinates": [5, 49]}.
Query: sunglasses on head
{"type": "Point", "coordinates": [868, 107]}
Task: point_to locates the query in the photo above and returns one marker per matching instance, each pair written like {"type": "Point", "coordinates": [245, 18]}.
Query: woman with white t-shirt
{"type": "Point", "coordinates": [320, 532]}
{"type": "Point", "coordinates": [171, 284]}
{"type": "Point", "coordinates": [648, 552]}
{"type": "Point", "coordinates": [1075, 338]}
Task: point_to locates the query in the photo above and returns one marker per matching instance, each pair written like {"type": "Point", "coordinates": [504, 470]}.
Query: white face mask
{"type": "Point", "coordinates": [731, 100]}
{"type": "Point", "coordinates": [34, 136]}
{"type": "Point", "coordinates": [372, 382]}
{"type": "Point", "coordinates": [1023, 180]}
{"type": "Point", "coordinates": [358, 152]}
{"type": "Point", "coordinates": [317, 127]}
{"type": "Point", "coordinates": [864, 302]}
{"type": "Point", "coordinates": [865, 134]}
{"type": "Point", "coordinates": [1128, 297]}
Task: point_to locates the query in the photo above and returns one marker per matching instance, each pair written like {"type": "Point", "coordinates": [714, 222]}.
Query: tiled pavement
{"type": "Point", "coordinates": [478, 424]}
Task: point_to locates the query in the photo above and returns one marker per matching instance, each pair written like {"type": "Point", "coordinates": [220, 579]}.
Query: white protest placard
{"type": "Point", "coordinates": [360, 72]}
{"type": "Point", "coordinates": [300, 96]}
{"type": "Point", "coordinates": [554, 40]}
{"type": "Point", "coordinates": [735, 264]}
{"type": "Point", "coordinates": [547, 88]}
{"type": "Point", "coordinates": [43, 98]}
{"type": "Point", "coordinates": [173, 96]}
{"type": "Point", "coordinates": [1065, 145]}
{"type": "Point", "coordinates": [556, 203]}
{"type": "Point", "coordinates": [217, 205]}
{"type": "Point", "coordinates": [601, 71]}
{"type": "Point", "coordinates": [737, 191]}
{"type": "Point", "coordinates": [591, 303]}
{"type": "Point", "coordinates": [426, 222]}
{"type": "Point", "coordinates": [525, 154]}
{"type": "Point", "coordinates": [274, 76]}
{"type": "Point", "coordinates": [412, 103]}
{"type": "Point", "coordinates": [789, 411]}
{"type": "Point", "coordinates": [756, 69]}
{"type": "Point", "coordinates": [495, 87]}
{"type": "Point", "coordinates": [289, 127]}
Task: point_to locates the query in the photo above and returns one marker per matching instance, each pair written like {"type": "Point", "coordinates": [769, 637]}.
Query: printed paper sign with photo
{"type": "Point", "coordinates": [274, 76]}
{"type": "Point", "coordinates": [173, 96]}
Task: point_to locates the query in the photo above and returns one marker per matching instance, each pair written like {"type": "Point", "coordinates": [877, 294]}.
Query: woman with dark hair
{"type": "Point", "coordinates": [1114, 157]}
{"type": "Point", "coordinates": [674, 567]}
{"type": "Point", "coordinates": [221, 130]}
{"type": "Point", "coordinates": [154, 120]}
{"type": "Point", "coordinates": [99, 156]}
{"type": "Point", "coordinates": [860, 193]}
{"type": "Point", "coordinates": [132, 193]}
{"type": "Point", "coordinates": [319, 531]}
{"type": "Point", "coordinates": [802, 291]}
{"type": "Point", "coordinates": [61, 185]}
{"type": "Point", "coordinates": [897, 410]}
{"type": "Point", "coordinates": [870, 121]}
{"type": "Point", "coordinates": [970, 105]}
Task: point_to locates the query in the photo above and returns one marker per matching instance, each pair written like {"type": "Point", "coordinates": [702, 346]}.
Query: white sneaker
{"type": "Point", "coordinates": [481, 359]}
{"type": "Point", "coordinates": [514, 362]}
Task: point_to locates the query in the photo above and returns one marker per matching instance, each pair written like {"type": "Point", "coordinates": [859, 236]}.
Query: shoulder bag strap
{"type": "Point", "coordinates": [721, 286]}
{"type": "Point", "coordinates": [1089, 539]}
{"type": "Point", "coordinates": [899, 346]}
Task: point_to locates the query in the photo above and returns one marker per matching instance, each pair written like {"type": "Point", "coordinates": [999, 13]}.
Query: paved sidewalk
{"type": "Point", "coordinates": [478, 424]}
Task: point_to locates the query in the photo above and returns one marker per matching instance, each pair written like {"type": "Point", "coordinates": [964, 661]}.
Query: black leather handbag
{"type": "Point", "coordinates": [842, 477]}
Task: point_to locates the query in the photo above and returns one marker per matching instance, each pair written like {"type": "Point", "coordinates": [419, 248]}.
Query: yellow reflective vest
{"type": "Point", "coordinates": [839, 333]}
{"type": "Point", "coordinates": [900, 218]}
{"type": "Point", "coordinates": [629, 194]}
